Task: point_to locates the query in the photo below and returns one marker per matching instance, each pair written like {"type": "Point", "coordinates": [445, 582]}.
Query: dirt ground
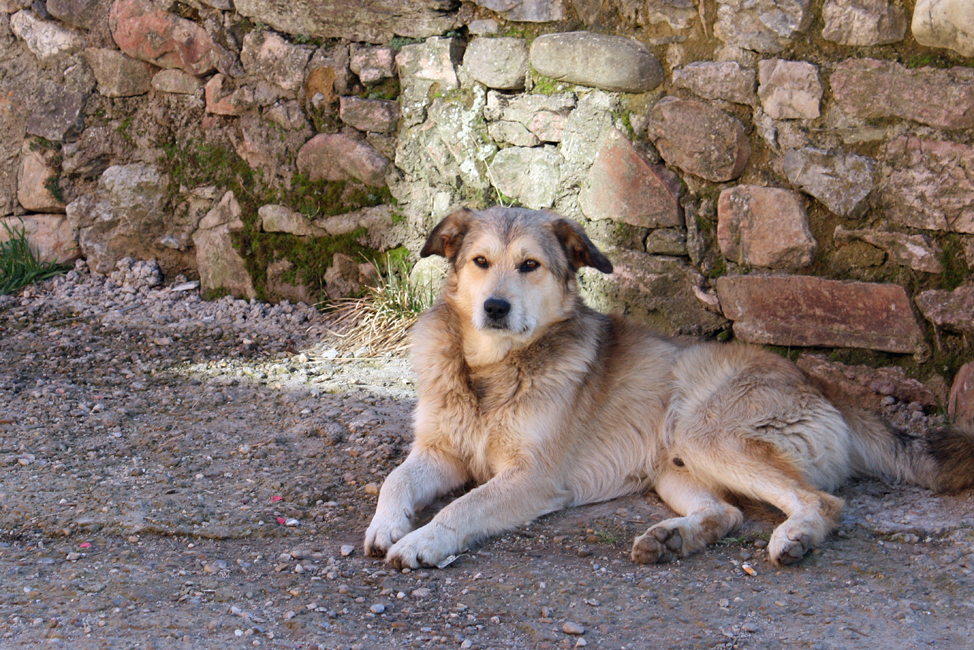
{"type": "Point", "coordinates": [207, 487]}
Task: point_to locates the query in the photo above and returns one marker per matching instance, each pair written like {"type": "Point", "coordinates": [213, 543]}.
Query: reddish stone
{"type": "Point", "coordinates": [335, 157]}
{"type": "Point", "coordinates": [809, 311]}
{"type": "Point", "coordinates": [699, 138]}
{"type": "Point", "coordinates": [764, 226]}
{"type": "Point", "coordinates": [224, 98]}
{"type": "Point", "coordinates": [52, 237]}
{"type": "Point", "coordinates": [960, 405]}
{"type": "Point", "coordinates": [870, 88]}
{"type": "Point", "coordinates": [162, 38]}
{"type": "Point", "coordinates": [622, 185]}
{"type": "Point", "coordinates": [866, 386]}
{"type": "Point", "coordinates": [372, 115]}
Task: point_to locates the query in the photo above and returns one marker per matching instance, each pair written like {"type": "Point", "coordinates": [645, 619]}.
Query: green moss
{"type": "Point", "coordinates": [400, 42]}
{"type": "Point", "coordinates": [123, 130]}
{"type": "Point", "coordinates": [954, 261]}
{"type": "Point", "coordinates": [53, 185]}
{"type": "Point", "coordinates": [543, 85]}
{"type": "Point", "coordinates": [199, 165]}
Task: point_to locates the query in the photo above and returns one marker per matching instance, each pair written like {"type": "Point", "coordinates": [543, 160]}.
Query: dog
{"type": "Point", "coordinates": [544, 404]}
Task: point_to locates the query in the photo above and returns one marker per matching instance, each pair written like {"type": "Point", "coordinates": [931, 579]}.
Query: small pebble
{"type": "Point", "coordinates": [571, 627]}
{"type": "Point", "coordinates": [378, 608]}
{"type": "Point", "coordinates": [347, 549]}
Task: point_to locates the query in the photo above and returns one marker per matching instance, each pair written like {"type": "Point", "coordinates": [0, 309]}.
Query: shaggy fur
{"type": "Point", "coordinates": [545, 404]}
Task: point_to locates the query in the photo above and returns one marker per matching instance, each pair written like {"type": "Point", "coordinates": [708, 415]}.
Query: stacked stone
{"type": "Point", "coordinates": [798, 202]}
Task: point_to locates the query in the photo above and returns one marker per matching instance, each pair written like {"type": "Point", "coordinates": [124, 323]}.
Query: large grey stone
{"type": "Point", "coordinates": [699, 138]}
{"type": "Point", "coordinates": [529, 11]}
{"type": "Point", "coordinates": [497, 62]}
{"type": "Point", "coordinates": [789, 89]}
{"type": "Point", "coordinates": [863, 22]}
{"type": "Point", "coordinates": [622, 185]}
{"type": "Point", "coordinates": [945, 23]}
{"type": "Point", "coordinates": [528, 174]}
{"type": "Point", "coordinates": [220, 265]}
{"type": "Point", "coordinates": [871, 88]}
{"type": "Point", "coordinates": [46, 39]}
{"type": "Point", "coordinates": [268, 56]}
{"type": "Point", "coordinates": [126, 216]}
{"type": "Point", "coordinates": [762, 25]}
{"type": "Point", "coordinates": [840, 180]}
{"type": "Point", "coordinates": [656, 289]}
{"type": "Point", "coordinates": [927, 186]}
{"type": "Point", "coordinates": [530, 119]}
{"type": "Point", "coordinates": [58, 114]}
{"type": "Point", "coordinates": [451, 147]}
{"type": "Point", "coordinates": [725, 80]}
{"type": "Point", "coordinates": [372, 21]}
{"type": "Point", "coordinates": [814, 312]}
{"type": "Point", "coordinates": [425, 70]}
{"type": "Point", "coordinates": [119, 75]}
{"type": "Point", "coordinates": [613, 63]}
{"type": "Point", "coordinates": [918, 252]}
{"type": "Point", "coordinates": [77, 13]}
{"type": "Point", "coordinates": [765, 227]}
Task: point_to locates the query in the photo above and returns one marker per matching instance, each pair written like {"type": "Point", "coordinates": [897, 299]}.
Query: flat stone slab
{"type": "Point", "coordinates": [699, 138]}
{"type": "Point", "coordinates": [500, 63]}
{"type": "Point", "coordinates": [613, 63]}
{"type": "Point", "coordinates": [808, 311]}
{"type": "Point", "coordinates": [872, 88]}
{"type": "Point", "coordinates": [336, 157]}
{"type": "Point", "coordinates": [789, 89]}
{"type": "Point", "coordinates": [918, 252]}
{"type": "Point", "coordinates": [864, 385]}
{"type": "Point", "coordinates": [371, 21]}
{"type": "Point", "coordinates": [725, 80]}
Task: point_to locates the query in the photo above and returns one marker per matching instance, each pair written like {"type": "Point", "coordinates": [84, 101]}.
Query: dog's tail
{"type": "Point", "coordinates": [943, 460]}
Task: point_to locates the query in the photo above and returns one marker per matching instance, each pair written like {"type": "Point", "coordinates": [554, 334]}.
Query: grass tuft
{"type": "Point", "coordinates": [19, 266]}
{"type": "Point", "coordinates": [380, 319]}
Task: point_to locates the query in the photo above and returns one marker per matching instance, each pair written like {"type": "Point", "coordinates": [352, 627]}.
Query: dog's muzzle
{"type": "Point", "coordinates": [496, 311]}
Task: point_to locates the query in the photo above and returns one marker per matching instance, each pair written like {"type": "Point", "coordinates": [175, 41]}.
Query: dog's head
{"type": "Point", "coordinates": [513, 270]}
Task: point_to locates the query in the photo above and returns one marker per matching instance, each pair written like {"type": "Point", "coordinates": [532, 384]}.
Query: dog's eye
{"type": "Point", "coordinates": [481, 261]}
{"type": "Point", "coordinates": [528, 265]}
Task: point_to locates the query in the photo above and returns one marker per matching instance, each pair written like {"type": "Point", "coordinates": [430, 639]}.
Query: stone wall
{"type": "Point", "coordinates": [793, 173]}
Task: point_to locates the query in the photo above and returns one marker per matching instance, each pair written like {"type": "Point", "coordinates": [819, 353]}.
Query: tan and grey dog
{"type": "Point", "coordinates": [545, 403]}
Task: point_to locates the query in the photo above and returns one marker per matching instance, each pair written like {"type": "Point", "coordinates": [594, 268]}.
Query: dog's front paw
{"type": "Point", "coordinates": [427, 546]}
{"type": "Point", "coordinates": [383, 532]}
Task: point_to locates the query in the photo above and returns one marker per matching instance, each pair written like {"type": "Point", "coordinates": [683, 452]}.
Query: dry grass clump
{"type": "Point", "coordinates": [377, 323]}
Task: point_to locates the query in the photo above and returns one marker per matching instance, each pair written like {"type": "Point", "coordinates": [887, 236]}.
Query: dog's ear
{"type": "Point", "coordinates": [446, 237]}
{"type": "Point", "coordinates": [579, 248]}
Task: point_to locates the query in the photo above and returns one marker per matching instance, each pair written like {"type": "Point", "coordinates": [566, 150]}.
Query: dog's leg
{"type": "Point", "coordinates": [706, 519]}
{"type": "Point", "coordinates": [423, 476]}
{"type": "Point", "coordinates": [511, 498]}
{"type": "Point", "coordinates": [757, 470]}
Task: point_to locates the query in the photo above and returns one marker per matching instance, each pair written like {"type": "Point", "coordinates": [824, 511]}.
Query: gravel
{"type": "Point", "coordinates": [176, 473]}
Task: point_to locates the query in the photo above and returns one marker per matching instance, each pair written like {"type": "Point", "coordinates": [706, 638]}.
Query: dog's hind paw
{"type": "Point", "coordinates": [785, 551]}
{"type": "Point", "coordinates": [657, 545]}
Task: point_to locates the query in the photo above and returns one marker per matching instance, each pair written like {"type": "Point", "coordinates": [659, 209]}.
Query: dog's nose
{"type": "Point", "coordinates": [496, 309]}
